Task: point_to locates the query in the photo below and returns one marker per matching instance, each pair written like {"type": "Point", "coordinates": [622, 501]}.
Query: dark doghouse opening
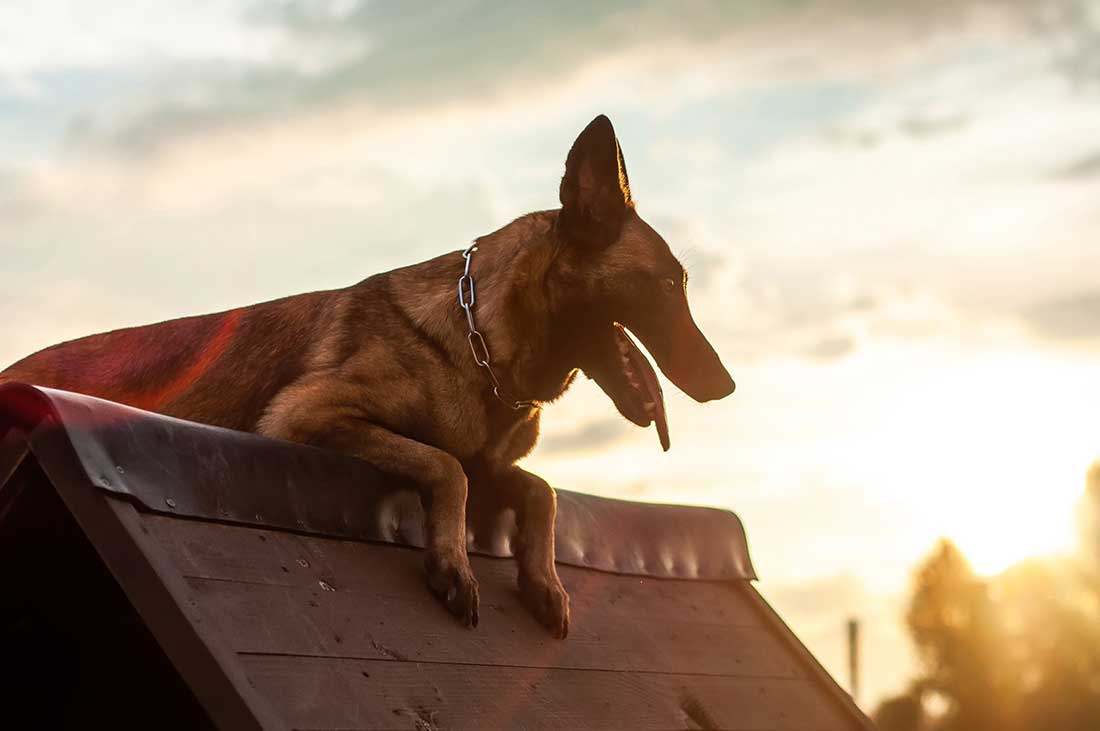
{"type": "Point", "coordinates": [73, 652]}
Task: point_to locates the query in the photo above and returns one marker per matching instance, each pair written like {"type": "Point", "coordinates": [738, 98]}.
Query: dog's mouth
{"type": "Point", "coordinates": [633, 387]}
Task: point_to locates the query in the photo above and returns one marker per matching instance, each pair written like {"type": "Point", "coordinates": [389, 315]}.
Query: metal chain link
{"type": "Point", "coordinates": [474, 337]}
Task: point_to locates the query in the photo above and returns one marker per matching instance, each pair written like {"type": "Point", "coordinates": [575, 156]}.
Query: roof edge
{"type": "Point", "coordinates": [181, 468]}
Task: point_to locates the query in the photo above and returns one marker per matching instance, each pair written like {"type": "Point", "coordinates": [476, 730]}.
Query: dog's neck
{"type": "Point", "coordinates": [513, 310]}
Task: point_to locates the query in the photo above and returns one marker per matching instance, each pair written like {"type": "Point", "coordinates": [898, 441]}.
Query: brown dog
{"type": "Point", "coordinates": [419, 373]}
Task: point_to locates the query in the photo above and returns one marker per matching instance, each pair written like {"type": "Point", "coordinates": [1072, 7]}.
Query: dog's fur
{"type": "Point", "coordinates": [382, 369]}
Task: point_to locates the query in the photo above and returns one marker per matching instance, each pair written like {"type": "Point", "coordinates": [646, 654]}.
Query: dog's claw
{"type": "Point", "coordinates": [549, 602]}
{"type": "Point", "coordinates": [454, 583]}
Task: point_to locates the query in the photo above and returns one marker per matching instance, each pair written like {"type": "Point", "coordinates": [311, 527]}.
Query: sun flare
{"type": "Point", "coordinates": [986, 457]}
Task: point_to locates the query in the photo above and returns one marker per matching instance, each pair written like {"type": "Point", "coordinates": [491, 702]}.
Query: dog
{"type": "Point", "coordinates": [437, 373]}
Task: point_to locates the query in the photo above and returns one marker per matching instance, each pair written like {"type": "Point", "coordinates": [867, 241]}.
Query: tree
{"type": "Point", "coordinates": [960, 642]}
{"type": "Point", "coordinates": [1018, 651]}
{"type": "Point", "coordinates": [902, 713]}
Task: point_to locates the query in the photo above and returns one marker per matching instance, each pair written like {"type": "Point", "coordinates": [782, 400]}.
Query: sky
{"type": "Point", "coordinates": [888, 211]}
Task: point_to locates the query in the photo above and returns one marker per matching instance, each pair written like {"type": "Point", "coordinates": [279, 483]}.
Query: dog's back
{"type": "Point", "coordinates": [218, 369]}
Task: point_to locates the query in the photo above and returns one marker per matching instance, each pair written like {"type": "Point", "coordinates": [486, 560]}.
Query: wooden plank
{"type": "Point", "coordinates": [841, 700]}
{"type": "Point", "coordinates": [299, 620]}
{"type": "Point", "coordinates": [212, 551]}
{"type": "Point", "coordinates": [324, 693]}
{"type": "Point", "coordinates": [380, 611]}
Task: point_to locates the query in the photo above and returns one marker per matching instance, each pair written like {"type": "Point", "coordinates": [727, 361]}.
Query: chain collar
{"type": "Point", "coordinates": [474, 337]}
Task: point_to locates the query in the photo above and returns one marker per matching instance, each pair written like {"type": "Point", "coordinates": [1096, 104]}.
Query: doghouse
{"type": "Point", "coordinates": [159, 574]}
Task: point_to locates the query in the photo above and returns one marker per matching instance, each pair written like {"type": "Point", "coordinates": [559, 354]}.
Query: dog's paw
{"type": "Point", "coordinates": [548, 601]}
{"type": "Point", "coordinates": [453, 582]}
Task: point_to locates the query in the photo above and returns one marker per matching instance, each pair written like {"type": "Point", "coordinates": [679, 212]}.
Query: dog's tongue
{"type": "Point", "coordinates": [650, 388]}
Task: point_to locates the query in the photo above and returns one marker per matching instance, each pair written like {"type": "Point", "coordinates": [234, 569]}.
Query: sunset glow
{"type": "Point", "coordinates": [888, 211]}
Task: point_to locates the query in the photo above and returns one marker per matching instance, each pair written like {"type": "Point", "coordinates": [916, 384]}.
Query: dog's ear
{"type": "Point", "coordinates": [595, 192]}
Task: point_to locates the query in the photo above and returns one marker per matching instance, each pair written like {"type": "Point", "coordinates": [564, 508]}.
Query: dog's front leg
{"type": "Point", "coordinates": [438, 476]}
{"type": "Point", "coordinates": [536, 505]}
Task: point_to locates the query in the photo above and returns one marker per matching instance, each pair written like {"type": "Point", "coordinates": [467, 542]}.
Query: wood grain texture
{"type": "Point", "coordinates": [326, 693]}
{"type": "Point", "coordinates": [352, 623]}
{"type": "Point", "coordinates": [211, 551]}
{"type": "Point", "coordinates": [343, 635]}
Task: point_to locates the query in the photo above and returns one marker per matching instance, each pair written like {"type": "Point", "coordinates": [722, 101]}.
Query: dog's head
{"type": "Point", "coordinates": [619, 272]}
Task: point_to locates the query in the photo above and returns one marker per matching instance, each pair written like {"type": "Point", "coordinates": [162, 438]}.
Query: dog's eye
{"type": "Point", "coordinates": [668, 285]}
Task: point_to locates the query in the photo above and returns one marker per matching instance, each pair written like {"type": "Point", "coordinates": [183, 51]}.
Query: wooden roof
{"type": "Point", "coordinates": [280, 585]}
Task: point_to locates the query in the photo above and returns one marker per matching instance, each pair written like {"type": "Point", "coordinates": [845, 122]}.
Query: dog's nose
{"type": "Point", "coordinates": [721, 385]}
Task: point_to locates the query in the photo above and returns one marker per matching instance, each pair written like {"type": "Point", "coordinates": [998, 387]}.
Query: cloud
{"type": "Point", "coordinates": [929, 125]}
{"type": "Point", "coordinates": [1074, 28]}
{"type": "Point", "coordinates": [59, 310]}
{"type": "Point", "coordinates": [831, 348]}
{"type": "Point", "coordinates": [918, 123]}
{"type": "Point", "coordinates": [17, 202]}
{"type": "Point", "coordinates": [1083, 168]}
{"type": "Point", "coordinates": [1074, 317]}
{"type": "Point", "coordinates": [257, 64]}
{"type": "Point", "coordinates": [271, 154]}
{"type": "Point", "coordinates": [949, 236]}
{"type": "Point", "coordinates": [313, 231]}
{"type": "Point", "coordinates": [397, 61]}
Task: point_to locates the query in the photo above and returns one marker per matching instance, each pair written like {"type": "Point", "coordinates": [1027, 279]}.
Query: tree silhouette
{"type": "Point", "coordinates": [903, 713]}
{"type": "Point", "coordinates": [1019, 651]}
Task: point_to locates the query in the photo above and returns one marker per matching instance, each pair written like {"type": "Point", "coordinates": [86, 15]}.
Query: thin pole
{"type": "Point", "coordinates": [853, 658]}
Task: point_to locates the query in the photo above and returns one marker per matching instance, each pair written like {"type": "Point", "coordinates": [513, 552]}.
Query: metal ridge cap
{"type": "Point", "coordinates": [176, 467]}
